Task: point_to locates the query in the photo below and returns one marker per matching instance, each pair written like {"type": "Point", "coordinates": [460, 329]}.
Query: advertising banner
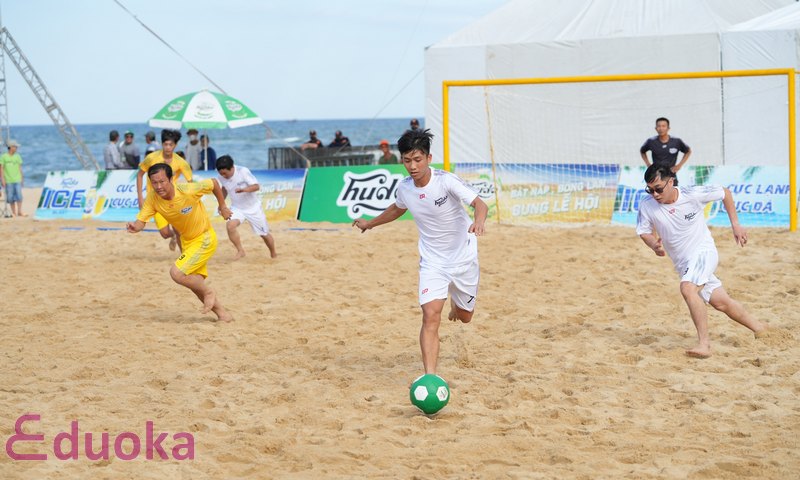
{"type": "Point", "coordinates": [342, 194]}
{"type": "Point", "coordinates": [551, 193]}
{"type": "Point", "coordinates": [479, 177]}
{"type": "Point", "coordinates": [761, 194]}
{"type": "Point", "coordinates": [280, 193]}
{"type": "Point", "coordinates": [110, 195]}
{"type": "Point", "coordinates": [63, 194]}
{"type": "Point", "coordinates": [114, 197]}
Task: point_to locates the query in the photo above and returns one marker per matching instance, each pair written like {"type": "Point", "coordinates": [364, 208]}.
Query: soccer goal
{"type": "Point", "coordinates": [566, 150]}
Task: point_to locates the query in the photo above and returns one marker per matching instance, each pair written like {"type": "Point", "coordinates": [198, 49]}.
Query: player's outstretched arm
{"type": "Point", "coordinates": [739, 232]}
{"type": "Point", "coordinates": [644, 159]}
{"type": "Point", "coordinates": [654, 243]}
{"type": "Point", "coordinates": [250, 188]}
{"type": "Point", "coordinates": [392, 213]}
{"type": "Point", "coordinates": [135, 227]}
{"type": "Point", "coordinates": [478, 226]}
{"type": "Point", "coordinates": [223, 208]}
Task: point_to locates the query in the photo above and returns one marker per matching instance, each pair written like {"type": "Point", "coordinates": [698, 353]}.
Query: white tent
{"type": "Point", "coordinates": [593, 123]}
{"type": "Point", "coordinates": [769, 41]}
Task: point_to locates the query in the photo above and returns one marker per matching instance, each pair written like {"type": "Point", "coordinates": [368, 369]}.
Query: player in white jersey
{"type": "Point", "coordinates": [671, 222]}
{"type": "Point", "coordinates": [241, 186]}
{"type": "Point", "coordinates": [448, 246]}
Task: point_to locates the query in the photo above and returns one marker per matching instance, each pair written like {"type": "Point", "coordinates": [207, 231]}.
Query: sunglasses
{"type": "Point", "coordinates": [658, 190]}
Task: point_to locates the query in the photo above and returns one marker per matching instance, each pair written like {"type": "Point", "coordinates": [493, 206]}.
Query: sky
{"type": "Point", "coordinates": [285, 59]}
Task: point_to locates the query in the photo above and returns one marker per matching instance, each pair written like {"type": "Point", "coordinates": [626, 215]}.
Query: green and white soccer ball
{"type": "Point", "coordinates": [429, 393]}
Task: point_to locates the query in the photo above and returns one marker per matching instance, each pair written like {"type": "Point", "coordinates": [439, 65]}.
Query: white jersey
{"type": "Point", "coordinates": [442, 222]}
{"type": "Point", "coordinates": [681, 225]}
{"type": "Point", "coordinates": [241, 178]}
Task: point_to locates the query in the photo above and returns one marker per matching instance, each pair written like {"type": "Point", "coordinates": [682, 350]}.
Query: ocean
{"type": "Point", "coordinates": [43, 149]}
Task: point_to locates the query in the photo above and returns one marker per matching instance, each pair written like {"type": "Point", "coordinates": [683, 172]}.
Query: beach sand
{"type": "Point", "coordinates": [573, 366]}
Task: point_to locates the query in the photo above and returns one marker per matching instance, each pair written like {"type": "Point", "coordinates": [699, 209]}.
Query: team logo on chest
{"type": "Point", "coordinates": [186, 210]}
{"type": "Point", "coordinates": [440, 201]}
{"type": "Point", "coordinates": [690, 216]}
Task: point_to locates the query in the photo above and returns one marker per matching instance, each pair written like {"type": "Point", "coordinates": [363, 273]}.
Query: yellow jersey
{"type": "Point", "coordinates": [179, 166]}
{"type": "Point", "coordinates": [185, 211]}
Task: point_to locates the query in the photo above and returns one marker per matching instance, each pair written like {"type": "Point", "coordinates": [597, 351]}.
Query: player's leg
{"type": "Point", "coordinates": [433, 284]}
{"type": "Point", "coordinates": [233, 235]}
{"type": "Point", "coordinates": [721, 301]}
{"type": "Point", "coordinates": [697, 284]}
{"type": "Point", "coordinates": [699, 314]}
{"type": "Point", "coordinates": [429, 334]}
{"type": "Point", "coordinates": [190, 270]}
{"type": "Point", "coordinates": [270, 242]}
{"type": "Point", "coordinates": [258, 222]}
{"type": "Point", "coordinates": [167, 232]}
{"type": "Point", "coordinates": [237, 217]}
{"type": "Point", "coordinates": [463, 292]}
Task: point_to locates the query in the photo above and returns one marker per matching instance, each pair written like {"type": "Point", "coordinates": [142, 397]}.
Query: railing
{"type": "Point", "coordinates": [285, 157]}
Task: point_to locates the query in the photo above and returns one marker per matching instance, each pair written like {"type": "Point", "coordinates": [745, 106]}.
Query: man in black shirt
{"type": "Point", "coordinates": [664, 149]}
{"type": "Point", "coordinates": [339, 140]}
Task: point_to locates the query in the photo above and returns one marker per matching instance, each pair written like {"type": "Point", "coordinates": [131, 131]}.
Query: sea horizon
{"type": "Point", "coordinates": [43, 149]}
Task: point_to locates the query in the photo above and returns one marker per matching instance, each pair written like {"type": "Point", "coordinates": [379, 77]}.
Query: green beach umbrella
{"type": "Point", "coordinates": [204, 109]}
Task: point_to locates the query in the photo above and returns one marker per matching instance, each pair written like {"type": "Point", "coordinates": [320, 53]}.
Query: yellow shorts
{"type": "Point", "coordinates": [161, 222]}
{"type": "Point", "coordinates": [196, 253]}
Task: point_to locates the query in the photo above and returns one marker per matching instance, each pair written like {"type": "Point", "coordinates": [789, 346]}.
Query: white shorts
{"type": "Point", "coordinates": [256, 219]}
{"type": "Point", "coordinates": [460, 282]}
{"type": "Point", "coordinates": [699, 270]}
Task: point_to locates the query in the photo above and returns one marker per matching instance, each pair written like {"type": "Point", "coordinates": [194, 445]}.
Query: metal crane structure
{"type": "Point", "coordinates": [11, 48]}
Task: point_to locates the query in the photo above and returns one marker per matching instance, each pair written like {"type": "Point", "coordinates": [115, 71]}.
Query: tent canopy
{"type": "Point", "coordinates": [588, 123]}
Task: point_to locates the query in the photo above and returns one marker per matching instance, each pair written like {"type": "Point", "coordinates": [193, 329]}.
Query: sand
{"type": "Point", "coordinates": [573, 366]}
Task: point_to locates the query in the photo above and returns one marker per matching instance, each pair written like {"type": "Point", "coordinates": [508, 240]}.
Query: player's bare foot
{"type": "Point", "coordinates": [762, 333]}
{"type": "Point", "coordinates": [273, 255]}
{"type": "Point", "coordinates": [173, 244]}
{"type": "Point", "coordinates": [239, 254]}
{"type": "Point", "coordinates": [700, 351]}
{"type": "Point", "coordinates": [209, 299]}
{"type": "Point", "coordinates": [225, 317]}
{"type": "Point", "coordinates": [452, 315]}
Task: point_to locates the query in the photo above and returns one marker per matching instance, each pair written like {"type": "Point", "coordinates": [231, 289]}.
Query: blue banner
{"type": "Point", "coordinates": [761, 194]}
{"type": "Point", "coordinates": [63, 195]}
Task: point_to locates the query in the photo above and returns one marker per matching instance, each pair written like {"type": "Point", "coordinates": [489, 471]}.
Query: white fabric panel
{"type": "Point", "coordinates": [601, 123]}
{"type": "Point", "coordinates": [756, 116]}
{"type": "Point", "coordinates": [523, 21]}
{"type": "Point", "coordinates": [447, 64]}
{"type": "Point", "coordinates": [786, 18]}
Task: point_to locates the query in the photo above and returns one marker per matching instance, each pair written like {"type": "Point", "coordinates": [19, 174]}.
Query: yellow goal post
{"type": "Point", "coordinates": [791, 97]}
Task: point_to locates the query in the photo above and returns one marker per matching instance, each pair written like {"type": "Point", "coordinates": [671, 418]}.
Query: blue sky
{"type": "Point", "coordinates": [287, 59]}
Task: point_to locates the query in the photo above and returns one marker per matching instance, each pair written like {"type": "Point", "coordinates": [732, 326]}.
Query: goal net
{"type": "Point", "coordinates": [567, 151]}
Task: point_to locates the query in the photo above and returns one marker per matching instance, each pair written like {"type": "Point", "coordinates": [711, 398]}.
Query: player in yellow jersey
{"type": "Point", "coordinates": [169, 140]}
{"type": "Point", "coordinates": [182, 206]}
